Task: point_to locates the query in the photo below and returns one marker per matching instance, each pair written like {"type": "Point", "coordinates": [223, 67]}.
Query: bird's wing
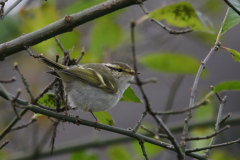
{"type": "Point", "coordinates": [99, 78]}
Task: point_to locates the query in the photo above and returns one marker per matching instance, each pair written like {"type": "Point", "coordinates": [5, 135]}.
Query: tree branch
{"type": "Point", "coordinates": [232, 6]}
{"type": "Point", "coordinates": [66, 24]}
{"type": "Point", "coordinates": [140, 121]}
{"type": "Point", "coordinates": [9, 9]}
{"type": "Point", "coordinates": [8, 81]}
{"type": "Point", "coordinates": [172, 94]}
{"type": "Point", "coordinates": [212, 146]}
{"type": "Point", "coordinates": [205, 102]}
{"type": "Point", "coordinates": [75, 120]}
{"type": "Point", "coordinates": [209, 136]}
{"type": "Point", "coordinates": [180, 154]}
{"type": "Point", "coordinates": [103, 142]}
{"type": "Point", "coordinates": [4, 144]}
{"type": "Point", "coordinates": [141, 143]}
{"type": "Point", "coordinates": [223, 101]}
{"type": "Point", "coordinates": [169, 30]}
{"type": "Point", "coordinates": [24, 125]}
{"type": "Point", "coordinates": [192, 97]}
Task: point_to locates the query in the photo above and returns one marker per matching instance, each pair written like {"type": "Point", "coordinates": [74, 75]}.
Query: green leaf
{"type": "Point", "coordinates": [171, 63]}
{"type": "Point", "coordinates": [180, 14]}
{"type": "Point", "coordinates": [36, 18]}
{"type": "Point", "coordinates": [105, 36]}
{"type": "Point", "coordinates": [118, 153]}
{"type": "Point", "coordinates": [232, 17]}
{"type": "Point", "coordinates": [81, 155]}
{"type": "Point", "coordinates": [227, 86]}
{"type": "Point", "coordinates": [152, 150]}
{"type": "Point", "coordinates": [77, 6]}
{"type": "Point", "coordinates": [49, 100]}
{"type": "Point", "coordinates": [130, 96]}
{"type": "Point", "coordinates": [204, 112]}
{"type": "Point", "coordinates": [104, 118]}
{"type": "Point", "coordinates": [203, 131]}
{"type": "Point", "coordinates": [70, 40]}
{"type": "Point", "coordinates": [220, 154]}
{"type": "Point", "coordinates": [235, 54]}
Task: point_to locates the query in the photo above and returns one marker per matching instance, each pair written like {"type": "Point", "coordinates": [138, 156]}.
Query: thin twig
{"type": "Point", "coordinates": [31, 53]}
{"type": "Point", "coordinates": [156, 136]}
{"type": "Point", "coordinates": [212, 146]}
{"type": "Point", "coordinates": [2, 3]}
{"type": "Point", "coordinates": [209, 136]}
{"type": "Point", "coordinates": [192, 98]}
{"type": "Point", "coordinates": [66, 24]}
{"type": "Point", "coordinates": [59, 44]}
{"type": "Point", "coordinates": [24, 125]}
{"type": "Point", "coordinates": [223, 101]}
{"type": "Point", "coordinates": [57, 57]}
{"type": "Point", "coordinates": [9, 9]}
{"type": "Point", "coordinates": [225, 118]}
{"type": "Point", "coordinates": [232, 6]}
{"type": "Point", "coordinates": [172, 94]}
{"type": "Point", "coordinates": [147, 104]}
{"type": "Point", "coordinates": [55, 124]}
{"type": "Point", "coordinates": [171, 31]}
{"type": "Point", "coordinates": [13, 103]}
{"type": "Point", "coordinates": [141, 143]}
{"type": "Point", "coordinates": [121, 131]}
{"type": "Point", "coordinates": [140, 121]}
{"type": "Point", "coordinates": [11, 100]}
{"type": "Point", "coordinates": [205, 102]}
{"type": "Point", "coordinates": [11, 124]}
{"type": "Point", "coordinates": [4, 144]}
{"type": "Point", "coordinates": [45, 91]}
{"type": "Point", "coordinates": [82, 54]}
{"type": "Point", "coordinates": [8, 81]}
{"type": "Point", "coordinates": [24, 81]}
{"type": "Point", "coordinates": [219, 98]}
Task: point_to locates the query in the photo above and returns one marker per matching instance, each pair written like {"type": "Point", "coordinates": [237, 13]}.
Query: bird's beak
{"type": "Point", "coordinates": [134, 73]}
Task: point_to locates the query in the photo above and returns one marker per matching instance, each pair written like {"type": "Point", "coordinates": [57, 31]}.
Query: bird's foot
{"type": "Point", "coordinates": [77, 120]}
{"type": "Point", "coordinates": [97, 122]}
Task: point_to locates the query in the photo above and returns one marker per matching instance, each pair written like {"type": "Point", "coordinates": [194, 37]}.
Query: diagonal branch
{"type": "Point", "coordinates": [8, 81]}
{"type": "Point", "coordinates": [232, 6]}
{"type": "Point", "coordinates": [4, 144]}
{"type": "Point", "coordinates": [223, 101]}
{"type": "Point", "coordinates": [9, 9]}
{"type": "Point", "coordinates": [213, 146]}
{"type": "Point", "coordinates": [171, 31]}
{"type": "Point", "coordinates": [75, 120]}
{"type": "Point", "coordinates": [141, 143]}
{"type": "Point", "coordinates": [205, 102]}
{"type": "Point", "coordinates": [66, 24]}
{"type": "Point", "coordinates": [192, 97]}
{"type": "Point", "coordinates": [209, 136]}
{"type": "Point", "coordinates": [180, 154]}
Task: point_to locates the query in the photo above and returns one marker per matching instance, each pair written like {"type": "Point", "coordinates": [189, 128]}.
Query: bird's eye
{"type": "Point", "coordinates": [119, 70]}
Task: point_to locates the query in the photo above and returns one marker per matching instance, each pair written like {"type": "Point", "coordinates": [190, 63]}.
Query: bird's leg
{"type": "Point", "coordinates": [97, 121]}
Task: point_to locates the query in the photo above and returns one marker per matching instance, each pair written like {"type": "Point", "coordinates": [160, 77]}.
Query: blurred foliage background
{"type": "Point", "coordinates": [108, 39]}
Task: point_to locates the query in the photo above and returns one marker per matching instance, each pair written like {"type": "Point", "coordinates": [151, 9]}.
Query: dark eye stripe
{"type": "Point", "coordinates": [119, 70]}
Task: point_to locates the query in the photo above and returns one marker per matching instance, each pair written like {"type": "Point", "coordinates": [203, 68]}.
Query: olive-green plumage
{"type": "Point", "coordinates": [94, 74]}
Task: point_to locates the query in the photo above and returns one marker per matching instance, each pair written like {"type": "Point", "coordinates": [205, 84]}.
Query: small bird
{"type": "Point", "coordinates": [93, 87]}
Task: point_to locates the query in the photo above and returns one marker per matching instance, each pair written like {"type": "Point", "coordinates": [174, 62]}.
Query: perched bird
{"type": "Point", "coordinates": [93, 87]}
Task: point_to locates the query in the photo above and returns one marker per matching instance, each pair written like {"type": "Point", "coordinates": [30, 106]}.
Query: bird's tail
{"type": "Point", "coordinates": [51, 64]}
